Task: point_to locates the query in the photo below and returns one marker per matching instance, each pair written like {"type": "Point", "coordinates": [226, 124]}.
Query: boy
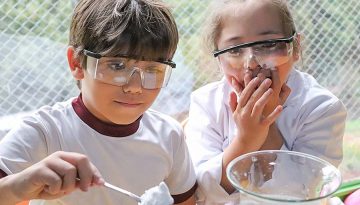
{"type": "Point", "coordinates": [120, 53]}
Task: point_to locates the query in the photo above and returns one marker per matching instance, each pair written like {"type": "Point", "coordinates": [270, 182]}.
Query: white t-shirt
{"type": "Point", "coordinates": [313, 122]}
{"type": "Point", "coordinates": [134, 157]}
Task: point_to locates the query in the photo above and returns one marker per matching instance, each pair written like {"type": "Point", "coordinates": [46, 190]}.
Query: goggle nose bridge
{"type": "Point", "coordinates": [133, 70]}
{"type": "Point", "coordinates": [250, 57]}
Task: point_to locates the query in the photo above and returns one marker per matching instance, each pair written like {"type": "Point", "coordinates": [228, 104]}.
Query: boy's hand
{"type": "Point", "coordinates": [58, 174]}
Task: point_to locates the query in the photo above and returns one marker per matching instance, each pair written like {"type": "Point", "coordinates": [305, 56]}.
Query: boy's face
{"type": "Point", "coordinates": [253, 21]}
{"type": "Point", "coordinates": [113, 103]}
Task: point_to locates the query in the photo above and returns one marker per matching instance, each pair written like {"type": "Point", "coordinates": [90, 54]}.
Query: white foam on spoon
{"type": "Point", "coordinates": [158, 195]}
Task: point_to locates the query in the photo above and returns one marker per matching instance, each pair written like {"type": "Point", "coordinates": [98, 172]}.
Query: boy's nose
{"type": "Point", "coordinates": [134, 83]}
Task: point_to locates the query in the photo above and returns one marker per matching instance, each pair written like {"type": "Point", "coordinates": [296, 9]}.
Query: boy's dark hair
{"type": "Point", "coordinates": [142, 29]}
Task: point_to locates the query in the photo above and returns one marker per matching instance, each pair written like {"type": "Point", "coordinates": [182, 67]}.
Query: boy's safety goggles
{"type": "Point", "coordinates": [119, 70]}
{"type": "Point", "coordinates": [273, 52]}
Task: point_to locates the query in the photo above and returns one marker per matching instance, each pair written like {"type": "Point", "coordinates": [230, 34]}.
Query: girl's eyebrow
{"type": "Point", "coordinates": [262, 33]}
{"type": "Point", "coordinates": [270, 32]}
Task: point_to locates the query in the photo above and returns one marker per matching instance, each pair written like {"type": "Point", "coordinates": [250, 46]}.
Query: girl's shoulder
{"type": "Point", "coordinates": [308, 96]}
{"type": "Point", "coordinates": [307, 87]}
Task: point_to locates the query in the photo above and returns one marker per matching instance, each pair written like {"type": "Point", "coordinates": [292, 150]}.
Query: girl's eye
{"type": "Point", "coordinates": [268, 46]}
{"type": "Point", "coordinates": [116, 66]}
{"type": "Point", "coordinates": [235, 52]}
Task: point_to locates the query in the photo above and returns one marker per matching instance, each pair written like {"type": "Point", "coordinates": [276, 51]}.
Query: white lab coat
{"type": "Point", "coordinates": [313, 122]}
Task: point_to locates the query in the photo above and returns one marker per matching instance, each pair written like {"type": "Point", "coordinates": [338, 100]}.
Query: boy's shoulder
{"type": "Point", "coordinates": [53, 115]}
{"type": "Point", "coordinates": [162, 126]}
{"type": "Point", "coordinates": [59, 108]}
{"type": "Point", "coordinates": [157, 118]}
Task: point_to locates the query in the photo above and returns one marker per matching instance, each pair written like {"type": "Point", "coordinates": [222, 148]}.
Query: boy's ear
{"type": "Point", "coordinates": [74, 64]}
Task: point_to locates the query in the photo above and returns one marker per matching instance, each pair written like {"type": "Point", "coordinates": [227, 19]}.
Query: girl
{"type": "Point", "coordinates": [262, 102]}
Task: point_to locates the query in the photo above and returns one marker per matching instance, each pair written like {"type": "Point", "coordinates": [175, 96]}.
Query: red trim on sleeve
{"type": "Point", "coordinates": [2, 174]}
{"type": "Point", "coordinates": [185, 196]}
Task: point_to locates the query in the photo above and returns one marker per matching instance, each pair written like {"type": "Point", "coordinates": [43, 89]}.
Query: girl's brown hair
{"type": "Point", "coordinates": [217, 11]}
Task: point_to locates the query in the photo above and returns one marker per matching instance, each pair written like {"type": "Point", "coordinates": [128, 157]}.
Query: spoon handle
{"type": "Point", "coordinates": [134, 196]}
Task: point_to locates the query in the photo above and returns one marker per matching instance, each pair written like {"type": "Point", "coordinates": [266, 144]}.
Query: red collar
{"type": "Point", "coordinates": [104, 128]}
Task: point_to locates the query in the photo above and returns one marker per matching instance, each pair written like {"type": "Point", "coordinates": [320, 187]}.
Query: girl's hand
{"type": "Point", "coordinates": [248, 110]}
{"type": "Point", "coordinates": [281, 91]}
{"type": "Point", "coordinates": [58, 174]}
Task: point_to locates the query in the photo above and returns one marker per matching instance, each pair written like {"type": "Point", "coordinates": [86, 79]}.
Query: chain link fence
{"type": "Point", "coordinates": [34, 71]}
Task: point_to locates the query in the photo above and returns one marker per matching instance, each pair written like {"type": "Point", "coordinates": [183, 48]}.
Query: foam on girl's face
{"type": "Point", "coordinates": [158, 195]}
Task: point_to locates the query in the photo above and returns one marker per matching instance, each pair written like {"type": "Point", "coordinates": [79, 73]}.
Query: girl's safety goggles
{"type": "Point", "coordinates": [273, 52]}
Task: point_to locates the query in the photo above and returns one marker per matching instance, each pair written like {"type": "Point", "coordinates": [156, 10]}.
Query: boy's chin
{"type": "Point", "coordinates": [125, 121]}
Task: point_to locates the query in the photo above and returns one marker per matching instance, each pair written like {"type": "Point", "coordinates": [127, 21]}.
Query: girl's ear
{"type": "Point", "coordinates": [297, 46]}
{"type": "Point", "coordinates": [74, 64]}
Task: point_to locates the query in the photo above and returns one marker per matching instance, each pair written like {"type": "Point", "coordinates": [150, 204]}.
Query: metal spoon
{"type": "Point", "coordinates": [123, 191]}
{"type": "Point", "coordinates": [127, 193]}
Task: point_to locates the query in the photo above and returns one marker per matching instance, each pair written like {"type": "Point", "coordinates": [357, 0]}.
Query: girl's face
{"type": "Point", "coordinates": [253, 21]}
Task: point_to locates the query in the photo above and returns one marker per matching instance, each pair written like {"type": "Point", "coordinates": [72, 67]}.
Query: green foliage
{"type": "Point", "coordinates": [353, 127]}
{"type": "Point", "coordinates": [48, 18]}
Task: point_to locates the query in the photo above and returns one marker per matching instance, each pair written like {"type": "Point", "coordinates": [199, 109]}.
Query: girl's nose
{"type": "Point", "coordinates": [251, 62]}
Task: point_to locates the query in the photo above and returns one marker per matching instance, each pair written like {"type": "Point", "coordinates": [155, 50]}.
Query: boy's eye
{"type": "Point", "coordinates": [116, 66]}
{"type": "Point", "coordinates": [153, 69]}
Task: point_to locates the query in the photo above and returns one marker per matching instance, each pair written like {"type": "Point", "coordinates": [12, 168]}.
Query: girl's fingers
{"type": "Point", "coordinates": [261, 76]}
{"type": "Point", "coordinates": [233, 101]}
{"type": "Point", "coordinates": [272, 116]}
{"type": "Point", "coordinates": [260, 104]}
{"type": "Point", "coordinates": [257, 94]}
{"type": "Point", "coordinates": [248, 92]}
{"type": "Point", "coordinates": [276, 85]}
{"type": "Point", "coordinates": [284, 93]}
{"type": "Point", "coordinates": [248, 77]}
{"type": "Point", "coordinates": [235, 84]}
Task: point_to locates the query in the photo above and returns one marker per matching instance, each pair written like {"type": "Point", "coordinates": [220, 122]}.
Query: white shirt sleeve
{"type": "Point", "coordinates": [322, 132]}
{"type": "Point", "coordinates": [205, 141]}
{"type": "Point", "coordinates": [182, 177]}
{"type": "Point", "coordinates": [23, 146]}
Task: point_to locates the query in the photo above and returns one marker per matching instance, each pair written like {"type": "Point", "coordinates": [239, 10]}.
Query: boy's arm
{"type": "Point", "coordinates": [51, 178]}
{"type": "Point", "coordinates": [7, 197]}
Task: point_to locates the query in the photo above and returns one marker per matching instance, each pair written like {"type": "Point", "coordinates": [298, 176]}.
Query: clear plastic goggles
{"type": "Point", "coordinates": [119, 70]}
{"type": "Point", "coordinates": [271, 53]}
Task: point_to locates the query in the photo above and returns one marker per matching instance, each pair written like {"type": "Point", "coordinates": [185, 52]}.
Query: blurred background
{"type": "Point", "coordinates": [34, 71]}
